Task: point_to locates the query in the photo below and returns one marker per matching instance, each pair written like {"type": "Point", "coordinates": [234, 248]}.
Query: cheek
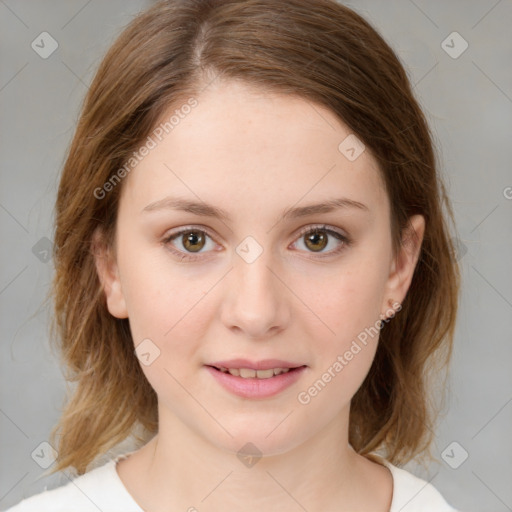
{"type": "Point", "coordinates": [342, 354]}
{"type": "Point", "coordinates": [349, 305]}
{"type": "Point", "coordinates": [164, 305]}
{"type": "Point", "coordinates": [173, 314]}
{"type": "Point", "coordinates": [351, 301]}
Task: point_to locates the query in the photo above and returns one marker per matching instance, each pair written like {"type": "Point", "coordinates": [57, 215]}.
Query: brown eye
{"type": "Point", "coordinates": [316, 240]}
{"type": "Point", "coordinates": [322, 241]}
{"type": "Point", "coordinates": [190, 244]}
{"type": "Point", "coordinates": [193, 241]}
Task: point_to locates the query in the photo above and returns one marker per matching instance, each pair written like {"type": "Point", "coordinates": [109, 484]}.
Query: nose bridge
{"type": "Point", "coordinates": [255, 302]}
{"type": "Point", "coordinates": [255, 278]}
{"type": "Point", "coordinates": [251, 265]}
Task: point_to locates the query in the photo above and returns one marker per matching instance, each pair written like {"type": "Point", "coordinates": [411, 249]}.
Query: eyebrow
{"type": "Point", "coordinates": [208, 210]}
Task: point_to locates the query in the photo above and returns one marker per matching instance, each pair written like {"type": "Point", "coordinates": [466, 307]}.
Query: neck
{"type": "Point", "coordinates": [181, 470]}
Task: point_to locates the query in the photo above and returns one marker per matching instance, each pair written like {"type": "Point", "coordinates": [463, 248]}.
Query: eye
{"type": "Point", "coordinates": [317, 238]}
{"type": "Point", "coordinates": [189, 241]}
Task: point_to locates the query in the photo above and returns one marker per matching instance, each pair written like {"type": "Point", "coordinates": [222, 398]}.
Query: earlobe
{"type": "Point", "coordinates": [404, 263]}
{"type": "Point", "coordinates": [108, 274]}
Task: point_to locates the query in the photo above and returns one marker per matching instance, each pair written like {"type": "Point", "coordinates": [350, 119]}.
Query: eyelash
{"type": "Point", "coordinates": [308, 229]}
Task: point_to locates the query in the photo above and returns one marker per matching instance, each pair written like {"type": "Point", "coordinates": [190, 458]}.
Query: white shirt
{"type": "Point", "coordinates": [101, 489]}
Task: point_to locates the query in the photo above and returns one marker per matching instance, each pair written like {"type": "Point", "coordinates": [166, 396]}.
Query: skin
{"type": "Point", "coordinates": [254, 154]}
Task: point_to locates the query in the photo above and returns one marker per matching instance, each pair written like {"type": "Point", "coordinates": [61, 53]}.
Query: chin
{"type": "Point", "coordinates": [257, 438]}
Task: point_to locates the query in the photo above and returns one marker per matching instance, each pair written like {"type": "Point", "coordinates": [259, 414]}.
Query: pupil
{"type": "Point", "coordinates": [192, 239]}
{"type": "Point", "coordinates": [316, 237]}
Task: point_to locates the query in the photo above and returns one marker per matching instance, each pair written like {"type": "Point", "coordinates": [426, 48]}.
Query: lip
{"type": "Point", "coordinates": [255, 388]}
{"type": "Point", "coordinates": [265, 364]}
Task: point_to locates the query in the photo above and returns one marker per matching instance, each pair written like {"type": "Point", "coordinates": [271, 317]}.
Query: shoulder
{"type": "Point", "coordinates": [412, 494]}
{"type": "Point", "coordinates": [98, 489]}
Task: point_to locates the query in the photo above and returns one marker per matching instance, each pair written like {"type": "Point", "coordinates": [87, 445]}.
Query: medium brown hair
{"type": "Point", "coordinates": [320, 51]}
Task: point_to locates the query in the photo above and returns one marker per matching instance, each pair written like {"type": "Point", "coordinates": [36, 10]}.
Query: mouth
{"type": "Point", "coordinates": [251, 373]}
{"type": "Point", "coordinates": [256, 380]}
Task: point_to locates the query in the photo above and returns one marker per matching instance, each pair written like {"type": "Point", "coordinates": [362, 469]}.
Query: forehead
{"type": "Point", "coordinates": [247, 147]}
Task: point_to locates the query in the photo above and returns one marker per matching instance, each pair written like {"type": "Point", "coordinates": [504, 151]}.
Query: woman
{"type": "Point", "coordinates": [253, 266]}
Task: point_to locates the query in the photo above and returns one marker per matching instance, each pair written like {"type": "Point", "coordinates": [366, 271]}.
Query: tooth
{"type": "Point", "coordinates": [247, 373]}
{"type": "Point", "coordinates": [265, 374]}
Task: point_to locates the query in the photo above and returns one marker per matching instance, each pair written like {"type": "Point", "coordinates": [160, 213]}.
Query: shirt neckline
{"type": "Point", "coordinates": [120, 484]}
{"type": "Point", "coordinates": [384, 462]}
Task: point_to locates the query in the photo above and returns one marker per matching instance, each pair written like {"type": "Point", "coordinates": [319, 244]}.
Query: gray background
{"type": "Point", "coordinates": [468, 101]}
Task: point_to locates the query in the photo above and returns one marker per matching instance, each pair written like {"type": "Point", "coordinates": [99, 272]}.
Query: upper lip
{"type": "Point", "coordinates": [265, 364]}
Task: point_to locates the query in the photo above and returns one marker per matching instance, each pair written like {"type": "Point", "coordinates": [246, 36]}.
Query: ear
{"type": "Point", "coordinates": [108, 274]}
{"type": "Point", "coordinates": [404, 263]}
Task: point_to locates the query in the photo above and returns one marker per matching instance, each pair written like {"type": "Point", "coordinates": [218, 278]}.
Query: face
{"type": "Point", "coordinates": [226, 250]}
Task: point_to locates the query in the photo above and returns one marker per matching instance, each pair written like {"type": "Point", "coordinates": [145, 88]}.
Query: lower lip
{"type": "Point", "coordinates": [254, 387]}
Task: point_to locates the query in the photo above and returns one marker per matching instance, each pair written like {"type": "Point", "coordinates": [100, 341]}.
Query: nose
{"type": "Point", "coordinates": [256, 303]}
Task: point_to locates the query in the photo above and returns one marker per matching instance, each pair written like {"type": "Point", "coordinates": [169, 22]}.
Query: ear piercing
{"type": "Point", "coordinates": [391, 303]}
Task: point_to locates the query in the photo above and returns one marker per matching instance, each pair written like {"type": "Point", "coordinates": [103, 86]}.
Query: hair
{"type": "Point", "coordinates": [320, 51]}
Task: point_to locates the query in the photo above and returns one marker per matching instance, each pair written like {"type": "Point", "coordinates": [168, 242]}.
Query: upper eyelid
{"type": "Point", "coordinates": [186, 229]}
{"type": "Point", "coordinates": [325, 227]}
